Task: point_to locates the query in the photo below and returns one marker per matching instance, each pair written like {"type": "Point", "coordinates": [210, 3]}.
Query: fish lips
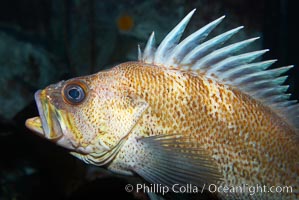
{"type": "Point", "coordinates": [48, 117]}
{"type": "Point", "coordinates": [48, 124]}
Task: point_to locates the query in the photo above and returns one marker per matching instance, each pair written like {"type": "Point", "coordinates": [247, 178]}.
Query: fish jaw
{"type": "Point", "coordinates": [50, 124]}
{"type": "Point", "coordinates": [35, 125]}
{"type": "Point", "coordinates": [47, 124]}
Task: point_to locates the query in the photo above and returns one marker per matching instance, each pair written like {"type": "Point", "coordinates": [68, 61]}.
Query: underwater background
{"type": "Point", "coordinates": [42, 42]}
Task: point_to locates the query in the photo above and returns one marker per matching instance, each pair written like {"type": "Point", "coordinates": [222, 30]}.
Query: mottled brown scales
{"type": "Point", "coordinates": [154, 118]}
{"type": "Point", "coordinates": [249, 142]}
{"type": "Point", "coordinates": [246, 141]}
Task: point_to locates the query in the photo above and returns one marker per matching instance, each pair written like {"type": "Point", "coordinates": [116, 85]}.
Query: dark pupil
{"type": "Point", "coordinates": [74, 93]}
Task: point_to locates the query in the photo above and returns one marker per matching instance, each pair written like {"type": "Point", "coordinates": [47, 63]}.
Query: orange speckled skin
{"type": "Point", "coordinates": [249, 143]}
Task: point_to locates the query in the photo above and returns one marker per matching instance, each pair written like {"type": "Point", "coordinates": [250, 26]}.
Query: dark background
{"type": "Point", "coordinates": [42, 42]}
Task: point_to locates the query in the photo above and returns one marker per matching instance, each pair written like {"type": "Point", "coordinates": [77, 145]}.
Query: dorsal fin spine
{"type": "Point", "coordinates": [225, 65]}
{"type": "Point", "coordinates": [172, 38]}
{"type": "Point", "coordinates": [139, 53]}
{"type": "Point", "coordinates": [262, 75]}
{"type": "Point", "coordinates": [251, 67]}
{"type": "Point", "coordinates": [191, 41]}
{"type": "Point", "coordinates": [238, 59]}
{"type": "Point", "coordinates": [148, 54]}
{"type": "Point", "coordinates": [220, 54]}
{"type": "Point", "coordinates": [208, 46]}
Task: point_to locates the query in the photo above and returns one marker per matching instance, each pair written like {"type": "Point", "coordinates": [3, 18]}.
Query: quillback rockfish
{"type": "Point", "coordinates": [189, 112]}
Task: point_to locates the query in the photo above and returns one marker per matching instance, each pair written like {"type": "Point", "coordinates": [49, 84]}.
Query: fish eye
{"type": "Point", "coordinates": [74, 93]}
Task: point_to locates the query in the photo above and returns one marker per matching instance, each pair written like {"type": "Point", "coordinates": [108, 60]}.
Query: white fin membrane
{"type": "Point", "coordinates": [227, 64]}
{"type": "Point", "coordinates": [175, 159]}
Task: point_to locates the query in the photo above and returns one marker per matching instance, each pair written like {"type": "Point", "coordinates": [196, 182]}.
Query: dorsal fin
{"type": "Point", "coordinates": [226, 63]}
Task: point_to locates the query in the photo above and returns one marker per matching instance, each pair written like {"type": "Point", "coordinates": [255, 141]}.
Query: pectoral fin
{"type": "Point", "coordinates": [176, 159]}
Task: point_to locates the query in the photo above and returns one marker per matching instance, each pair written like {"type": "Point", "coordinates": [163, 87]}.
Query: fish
{"type": "Point", "coordinates": [189, 111]}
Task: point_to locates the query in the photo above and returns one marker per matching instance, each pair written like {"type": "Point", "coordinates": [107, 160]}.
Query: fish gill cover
{"type": "Point", "coordinates": [201, 158]}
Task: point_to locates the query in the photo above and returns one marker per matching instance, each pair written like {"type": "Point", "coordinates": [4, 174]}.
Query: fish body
{"type": "Point", "coordinates": [178, 116]}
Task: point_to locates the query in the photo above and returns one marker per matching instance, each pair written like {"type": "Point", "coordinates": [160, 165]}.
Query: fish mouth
{"type": "Point", "coordinates": [46, 124]}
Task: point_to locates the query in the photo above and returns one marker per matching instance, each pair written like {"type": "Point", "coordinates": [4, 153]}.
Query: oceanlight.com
{"type": "Point", "coordinates": [192, 189]}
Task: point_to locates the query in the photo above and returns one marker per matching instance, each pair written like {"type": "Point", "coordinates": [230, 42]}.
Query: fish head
{"type": "Point", "coordinates": [86, 116]}
{"type": "Point", "coordinates": [69, 115]}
